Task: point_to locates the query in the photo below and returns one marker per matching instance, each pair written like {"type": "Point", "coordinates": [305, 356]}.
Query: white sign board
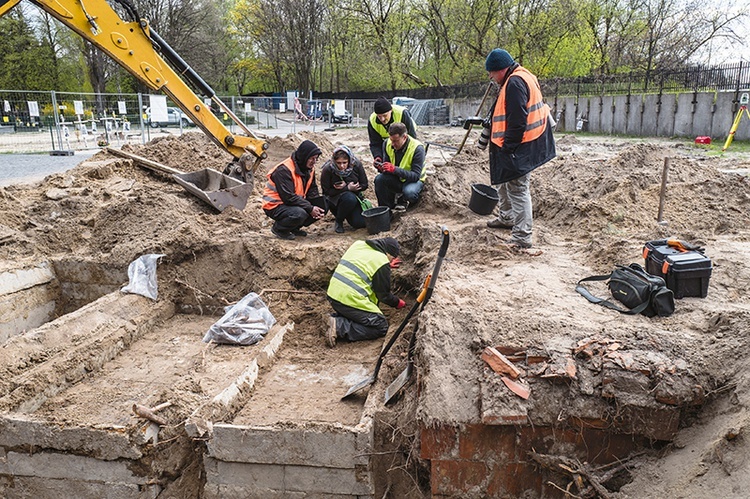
{"type": "Point", "coordinates": [339, 107]}
{"type": "Point", "coordinates": [248, 107]}
{"type": "Point", "coordinates": [290, 95]}
{"type": "Point", "coordinates": [78, 105]}
{"type": "Point", "coordinates": [158, 108]}
{"type": "Point", "coordinates": [6, 106]}
{"type": "Point", "coordinates": [121, 108]}
{"type": "Point", "coordinates": [33, 108]}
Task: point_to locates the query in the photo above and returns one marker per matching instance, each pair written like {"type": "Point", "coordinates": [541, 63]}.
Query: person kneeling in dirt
{"type": "Point", "coordinates": [291, 196]}
{"type": "Point", "coordinates": [362, 280]}
{"type": "Point", "coordinates": [402, 172]}
{"type": "Point", "coordinates": [343, 179]}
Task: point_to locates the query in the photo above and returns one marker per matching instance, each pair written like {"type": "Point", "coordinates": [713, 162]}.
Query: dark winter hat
{"type": "Point", "coordinates": [390, 245]}
{"type": "Point", "coordinates": [382, 106]}
{"type": "Point", "coordinates": [305, 151]}
{"type": "Point", "coordinates": [498, 60]}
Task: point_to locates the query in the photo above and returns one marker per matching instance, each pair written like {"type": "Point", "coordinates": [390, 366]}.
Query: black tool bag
{"type": "Point", "coordinates": [635, 288]}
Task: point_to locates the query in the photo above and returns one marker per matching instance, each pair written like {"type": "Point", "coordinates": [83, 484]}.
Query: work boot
{"type": "Point", "coordinates": [299, 232]}
{"type": "Point", "coordinates": [517, 244]}
{"type": "Point", "coordinates": [401, 206]}
{"type": "Point", "coordinates": [331, 332]}
{"type": "Point", "coordinates": [282, 234]}
{"type": "Point", "coordinates": [338, 227]}
{"type": "Point", "coordinates": [499, 223]}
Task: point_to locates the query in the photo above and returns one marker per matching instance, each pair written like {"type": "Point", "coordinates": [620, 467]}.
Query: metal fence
{"type": "Point", "coordinates": [62, 122]}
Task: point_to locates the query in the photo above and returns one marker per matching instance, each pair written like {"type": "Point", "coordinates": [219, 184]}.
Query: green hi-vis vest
{"type": "Point", "coordinates": [407, 158]}
{"type": "Point", "coordinates": [398, 114]}
{"type": "Point", "coordinates": [351, 283]}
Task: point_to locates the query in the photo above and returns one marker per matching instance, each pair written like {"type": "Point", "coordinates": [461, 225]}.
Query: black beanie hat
{"type": "Point", "coordinates": [305, 151]}
{"type": "Point", "coordinates": [390, 245]}
{"type": "Point", "coordinates": [382, 106]}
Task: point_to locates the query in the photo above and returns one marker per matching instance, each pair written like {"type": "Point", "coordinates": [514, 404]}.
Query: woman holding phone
{"type": "Point", "coordinates": [343, 180]}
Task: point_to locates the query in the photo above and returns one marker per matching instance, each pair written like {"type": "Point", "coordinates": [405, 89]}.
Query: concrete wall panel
{"type": "Point", "coordinates": [620, 118]}
{"type": "Point", "coordinates": [704, 113]}
{"type": "Point", "coordinates": [683, 117]}
{"type": "Point", "coordinates": [635, 114]}
{"type": "Point", "coordinates": [606, 116]}
{"type": "Point", "coordinates": [595, 115]}
{"type": "Point", "coordinates": [665, 119]}
{"type": "Point", "coordinates": [569, 115]}
{"type": "Point", "coordinates": [650, 115]}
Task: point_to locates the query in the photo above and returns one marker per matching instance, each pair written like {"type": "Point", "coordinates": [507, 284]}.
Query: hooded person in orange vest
{"type": "Point", "coordinates": [520, 141]}
{"type": "Point", "coordinates": [291, 197]}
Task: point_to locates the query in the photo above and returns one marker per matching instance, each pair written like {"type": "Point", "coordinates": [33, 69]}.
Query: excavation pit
{"type": "Point", "coordinates": [606, 390]}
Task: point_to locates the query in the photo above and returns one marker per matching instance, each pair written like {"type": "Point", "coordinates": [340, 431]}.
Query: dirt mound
{"type": "Point", "coordinates": [595, 205]}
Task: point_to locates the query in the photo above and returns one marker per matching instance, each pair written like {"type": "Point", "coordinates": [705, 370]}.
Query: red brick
{"type": "Point", "coordinates": [457, 477]}
{"type": "Point", "coordinates": [605, 447]}
{"type": "Point", "coordinates": [543, 439]}
{"type": "Point", "coordinates": [514, 480]}
{"type": "Point", "coordinates": [438, 443]}
{"type": "Point", "coordinates": [481, 443]}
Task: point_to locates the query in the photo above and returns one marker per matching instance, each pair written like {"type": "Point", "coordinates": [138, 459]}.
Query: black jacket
{"type": "Point", "coordinates": [516, 159]}
{"type": "Point", "coordinates": [331, 175]}
{"type": "Point", "coordinates": [417, 162]}
{"type": "Point", "coordinates": [282, 177]}
{"type": "Point", "coordinates": [376, 141]}
{"type": "Point", "coordinates": [381, 280]}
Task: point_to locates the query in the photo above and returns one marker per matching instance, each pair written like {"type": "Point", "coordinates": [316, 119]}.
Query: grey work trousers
{"type": "Point", "coordinates": [515, 207]}
{"type": "Point", "coordinates": [355, 325]}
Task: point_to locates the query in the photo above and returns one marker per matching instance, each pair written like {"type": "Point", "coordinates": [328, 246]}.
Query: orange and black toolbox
{"type": "Point", "coordinates": [686, 271]}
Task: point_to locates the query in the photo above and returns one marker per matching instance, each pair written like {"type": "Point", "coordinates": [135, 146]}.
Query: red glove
{"type": "Point", "coordinates": [388, 168]}
{"type": "Point", "coordinates": [395, 263]}
{"type": "Point", "coordinates": [401, 303]}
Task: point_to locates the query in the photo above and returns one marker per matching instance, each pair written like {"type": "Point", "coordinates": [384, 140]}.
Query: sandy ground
{"type": "Point", "coordinates": [595, 206]}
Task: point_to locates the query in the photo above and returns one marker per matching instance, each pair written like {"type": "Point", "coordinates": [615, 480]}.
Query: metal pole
{"type": "Point", "coordinates": [663, 193]}
{"type": "Point", "coordinates": [57, 119]}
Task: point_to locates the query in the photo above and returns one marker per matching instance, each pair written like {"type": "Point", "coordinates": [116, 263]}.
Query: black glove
{"type": "Point", "coordinates": [472, 120]}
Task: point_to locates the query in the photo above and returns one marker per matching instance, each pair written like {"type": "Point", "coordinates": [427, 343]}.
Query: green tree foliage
{"type": "Point", "coordinates": [250, 46]}
{"type": "Point", "coordinates": [24, 59]}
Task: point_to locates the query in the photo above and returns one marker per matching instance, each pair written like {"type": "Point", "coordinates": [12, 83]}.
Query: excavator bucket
{"type": "Point", "coordinates": [215, 188]}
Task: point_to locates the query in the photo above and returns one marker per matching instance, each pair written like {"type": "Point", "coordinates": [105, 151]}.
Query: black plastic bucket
{"type": "Point", "coordinates": [377, 219]}
{"type": "Point", "coordinates": [483, 200]}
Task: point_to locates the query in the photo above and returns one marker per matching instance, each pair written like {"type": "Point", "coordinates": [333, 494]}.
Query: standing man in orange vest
{"type": "Point", "coordinates": [521, 140]}
{"type": "Point", "coordinates": [291, 196]}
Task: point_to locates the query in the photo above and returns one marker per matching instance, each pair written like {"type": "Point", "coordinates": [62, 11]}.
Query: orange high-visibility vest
{"type": "Point", "coordinates": [271, 198]}
{"type": "Point", "coordinates": [536, 121]}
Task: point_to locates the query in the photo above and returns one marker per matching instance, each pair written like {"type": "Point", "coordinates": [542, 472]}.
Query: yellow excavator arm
{"type": "Point", "coordinates": [149, 58]}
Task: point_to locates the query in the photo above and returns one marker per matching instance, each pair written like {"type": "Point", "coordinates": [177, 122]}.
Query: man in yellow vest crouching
{"type": "Point", "coordinates": [402, 173]}
{"type": "Point", "coordinates": [361, 280]}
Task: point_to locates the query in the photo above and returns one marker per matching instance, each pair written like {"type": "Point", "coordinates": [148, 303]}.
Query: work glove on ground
{"type": "Point", "coordinates": [684, 245]}
{"type": "Point", "coordinates": [388, 167]}
{"type": "Point", "coordinates": [395, 263]}
{"type": "Point", "coordinates": [401, 303]}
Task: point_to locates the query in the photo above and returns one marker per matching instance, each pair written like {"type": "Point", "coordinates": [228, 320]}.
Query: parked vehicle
{"type": "Point", "coordinates": [345, 117]}
{"type": "Point", "coordinates": [174, 117]}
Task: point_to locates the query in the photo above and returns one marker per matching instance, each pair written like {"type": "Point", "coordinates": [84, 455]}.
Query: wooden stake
{"type": "Point", "coordinates": [663, 193]}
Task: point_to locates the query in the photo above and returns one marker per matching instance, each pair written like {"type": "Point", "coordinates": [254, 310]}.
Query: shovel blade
{"type": "Point", "coordinates": [362, 384]}
{"type": "Point", "coordinates": [392, 391]}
